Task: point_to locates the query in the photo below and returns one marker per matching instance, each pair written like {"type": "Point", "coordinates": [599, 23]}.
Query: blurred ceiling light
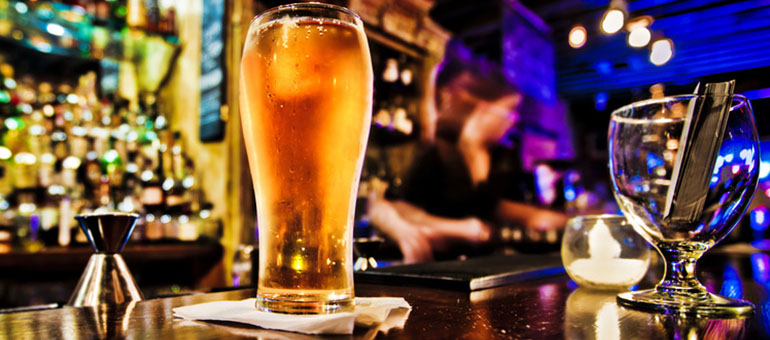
{"type": "Point", "coordinates": [639, 34]}
{"type": "Point", "coordinates": [639, 37]}
{"type": "Point", "coordinates": [661, 51]}
{"type": "Point", "coordinates": [577, 36]}
{"type": "Point", "coordinates": [406, 76]}
{"type": "Point", "coordinates": [615, 16]}
{"type": "Point", "coordinates": [612, 21]}
{"type": "Point", "coordinates": [391, 71]}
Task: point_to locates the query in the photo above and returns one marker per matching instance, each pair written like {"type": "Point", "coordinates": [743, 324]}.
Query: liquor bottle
{"type": "Point", "coordinates": [82, 205]}
{"type": "Point", "coordinates": [153, 15]}
{"type": "Point", "coordinates": [27, 222]}
{"type": "Point", "coordinates": [136, 14]}
{"type": "Point", "coordinates": [103, 198]}
{"type": "Point", "coordinates": [167, 23]}
{"type": "Point", "coordinates": [101, 12]}
{"type": "Point", "coordinates": [173, 176]}
{"type": "Point", "coordinates": [7, 86]}
{"type": "Point", "coordinates": [187, 228]}
{"type": "Point", "coordinates": [25, 171]}
{"type": "Point", "coordinates": [65, 222]}
{"type": "Point", "coordinates": [118, 17]}
{"type": "Point", "coordinates": [49, 219]}
{"type": "Point", "coordinates": [7, 228]}
{"type": "Point", "coordinates": [6, 177]}
{"type": "Point", "coordinates": [130, 185]}
{"type": "Point", "coordinates": [151, 198]}
{"type": "Point", "coordinates": [113, 168]}
{"type": "Point", "coordinates": [91, 172]}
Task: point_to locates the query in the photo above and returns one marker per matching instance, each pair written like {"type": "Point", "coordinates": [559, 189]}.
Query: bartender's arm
{"type": "Point", "coordinates": [418, 233]}
{"type": "Point", "coordinates": [530, 216]}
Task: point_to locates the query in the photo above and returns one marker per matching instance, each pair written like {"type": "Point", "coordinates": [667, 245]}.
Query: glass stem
{"type": "Point", "coordinates": [680, 273]}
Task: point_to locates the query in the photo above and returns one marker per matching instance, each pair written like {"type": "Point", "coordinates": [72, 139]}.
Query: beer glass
{"type": "Point", "coordinates": [644, 139]}
{"type": "Point", "coordinates": [306, 96]}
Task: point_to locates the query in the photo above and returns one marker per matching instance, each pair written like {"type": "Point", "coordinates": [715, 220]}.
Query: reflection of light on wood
{"type": "Point", "coordinates": [607, 322]}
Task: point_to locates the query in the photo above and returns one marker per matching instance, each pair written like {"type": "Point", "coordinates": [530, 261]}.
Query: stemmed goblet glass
{"type": "Point", "coordinates": [644, 139]}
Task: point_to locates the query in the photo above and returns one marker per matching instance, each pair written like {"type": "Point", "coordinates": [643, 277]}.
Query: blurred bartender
{"type": "Point", "coordinates": [464, 180]}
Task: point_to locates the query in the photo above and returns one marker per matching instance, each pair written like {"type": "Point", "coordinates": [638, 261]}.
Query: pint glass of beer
{"type": "Point", "coordinates": [306, 97]}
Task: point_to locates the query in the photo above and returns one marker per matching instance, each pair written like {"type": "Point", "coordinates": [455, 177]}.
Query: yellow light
{"type": "Point", "coordinates": [661, 52]}
{"type": "Point", "coordinates": [27, 207]}
{"type": "Point", "coordinates": [297, 262]}
{"type": "Point", "coordinates": [613, 21]}
{"type": "Point", "coordinates": [5, 153]}
{"type": "Point", "coordinates": [48, 110]}
{"type": "Point", "coordinates": [577, 36]}
{"type": "Point", "coordinates": [71, 163]}
{"type": "Point", "coordinates": [25, 158]}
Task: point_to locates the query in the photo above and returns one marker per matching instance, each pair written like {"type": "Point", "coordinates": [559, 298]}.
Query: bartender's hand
{"type": "Point", "coordinates": [543, 219]}
{"type": "Point", "coordinates": [413, 241]}
{"type": "Point", "coordinates": [414, 245]}
{"type": "Point", "coordinates": [530, 216]}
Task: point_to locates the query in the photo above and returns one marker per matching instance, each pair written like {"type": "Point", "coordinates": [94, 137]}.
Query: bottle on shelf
{"type": "Point", "coordinates": [64, 151]}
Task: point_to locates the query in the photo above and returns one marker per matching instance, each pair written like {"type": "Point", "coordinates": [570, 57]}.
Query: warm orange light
{"type": "Point", "coordinates": [577, 36]}
{"type": "Point", "coordinates": [613, 21]}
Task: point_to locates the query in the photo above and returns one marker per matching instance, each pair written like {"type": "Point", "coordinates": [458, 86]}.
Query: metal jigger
{"type": "Point", "coordinates": [106, 279]}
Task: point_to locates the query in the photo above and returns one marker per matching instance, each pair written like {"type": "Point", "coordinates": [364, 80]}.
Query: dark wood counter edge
{"type": "Point", "coordinates": [59, 258]}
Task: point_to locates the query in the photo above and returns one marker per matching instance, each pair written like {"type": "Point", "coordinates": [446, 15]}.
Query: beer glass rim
{"type": "Point", "coordinates": [317, 7]}
{"type": "Point", "coordinates": [677, 98]}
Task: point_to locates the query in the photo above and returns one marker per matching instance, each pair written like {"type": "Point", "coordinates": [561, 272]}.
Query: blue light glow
{"type": "Point", "coordinates": [44, 47]}
{"type": "Point", "coordinates": [603, 67]}
{"type": "Point", "coordinates": [757, 94]}
{"type": "Point", "coordinates": [759, 218]}
{"type": "Point", "coordinates": [45, 13]}
{"type": "Point", "coordinates": [569, 194]}
{"type": "Point", "coordinates": [653, 161]}
{"type": "Point", "coordinates": [731, 286]}
{"type": "Point", "coordinates": [727, 26]}
{"type": "Point", "coordinates": [600, 101]}
{"type": "Point", "coordinates": [760, 264]}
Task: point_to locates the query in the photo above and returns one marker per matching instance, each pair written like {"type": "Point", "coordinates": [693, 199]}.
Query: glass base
{"type": "Point", "coordinates": [700, 305]}
{"type": "Point", "coordinates": [303, 304]}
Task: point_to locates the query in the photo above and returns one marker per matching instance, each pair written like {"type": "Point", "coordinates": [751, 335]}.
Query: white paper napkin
{"type": "Point", "coordinates": [383, 313]}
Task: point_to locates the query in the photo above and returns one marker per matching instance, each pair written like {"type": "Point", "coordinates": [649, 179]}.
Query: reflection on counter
{"type": "Point", "coordinates": [592, 314]}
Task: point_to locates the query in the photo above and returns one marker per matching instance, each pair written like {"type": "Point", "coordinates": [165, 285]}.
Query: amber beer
{"type": "Point", "coordinates": [306, 96]}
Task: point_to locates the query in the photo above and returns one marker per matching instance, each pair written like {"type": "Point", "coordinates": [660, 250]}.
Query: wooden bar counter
{"type": "Point", "coordinates": [548, 308]}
